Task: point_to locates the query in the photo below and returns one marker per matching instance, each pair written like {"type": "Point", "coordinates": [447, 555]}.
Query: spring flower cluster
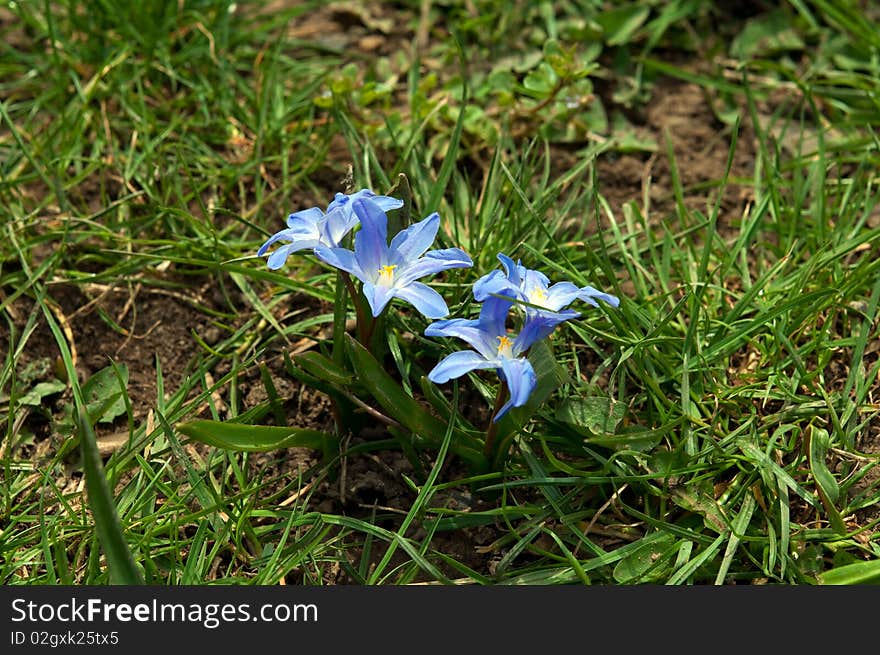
{"type": "Point", "coordinates": [512, 295]}
{"type": "Point", "coordinates": [541, 309]}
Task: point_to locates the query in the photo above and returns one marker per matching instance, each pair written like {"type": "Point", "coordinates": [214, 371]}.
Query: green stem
{"type": "Point", "coordinates": [363, 335]}
{"type": "Point", "coordinates": [368, 337]}
{"type": "Point", "coordinates": [492, 428]}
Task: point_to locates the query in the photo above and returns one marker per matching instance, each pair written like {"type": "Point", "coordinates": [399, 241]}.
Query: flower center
{"type": "Point", "coordinates": [504, 345]}
{"type": "Point", "coordinates": [537, 297]}
{"type": "Point", "coordinates": [386, 275]}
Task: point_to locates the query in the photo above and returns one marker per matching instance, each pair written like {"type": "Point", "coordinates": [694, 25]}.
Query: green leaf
{"type": "Point", "coordinates": [819, 445]}
{"type": "Point", "coordinates": [763, 463]}
{"type": "Point", "coordinates": [740, 525]}
{"type": "Point", "coordinates": [629, 439]}
{"type": "Point", "coordinates": [323, 368]}
{"type": "Point", "coordinates": [407, 410]}
{"type": "Point", "coordinates": [541, 81]}
{"type": "Point", "coordinates": [619, 24]}
{"type": "Point", "coordinates": [636, 567]}
{"type": "Point", "coordinates": [104, 394]}
{"type": "Point", "coordinates": [549, 375]}
{"type": "Point", "coordinates": [593, 415]}
{"type": "Point", "coordinates": [34, 397]}
{"type": "Point", "coordinates": [251, 438]}
{"type": "Point", "coordinates": [120, 563]}
{"type": "Point", "coordinates": [858, 573]}
{"type": "Point", "coordinates": [766, 35]}
{"type": "Point", "coordinates": [700, 501]}
{"type": "Point", "coordinates": [826, 485]}
{"type": "Point", "coordinates": [598, 419]}
{"type": "Point", "coordinates": [667, 462]}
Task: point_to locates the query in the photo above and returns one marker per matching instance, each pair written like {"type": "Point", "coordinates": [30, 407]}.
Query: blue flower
{"type": "Point", "coordinates": [391, 271]}
{"type": "Point", "coordinates": [525, 285]}
{"type": "Point", "coordinates": [312, 227]}
{"type": "Point", "coordinates": [493, 348]}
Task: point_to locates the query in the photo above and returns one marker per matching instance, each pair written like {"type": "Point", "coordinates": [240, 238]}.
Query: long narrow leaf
{"type": "Point", "coordinates": [250, 438]}
{"type": "Point", "coordinates": [858, 573]}
{"type": "Point", "coordinates": [120, 563]}
{"type": "Point", "coordinates": [406, 409]}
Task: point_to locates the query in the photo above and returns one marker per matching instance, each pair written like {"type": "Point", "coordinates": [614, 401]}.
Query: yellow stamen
{"type": "Point", "coordinates": [538, 296]}
{"type": "Point", "coordinates": [504, 345]}
{"type": "Point", "coordinates": [386, 275]}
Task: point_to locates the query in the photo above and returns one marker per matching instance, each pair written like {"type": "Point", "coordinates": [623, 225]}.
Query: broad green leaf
{"type": "Point", "coordinates": [636, 567]}
{"type": "Point", "coordinates": [628, 439]}
{"type": "Point", "coordinates": [598, 419]}
{"type": "Point", "coordinates": [251, 438]}
{"type": "Point", "coordinates": [541, 81]}
{"type": "Point", "coordinates": [667, 462]}
{"type": "Point", "coordinates": [391, 396]}
{"type": "Point", "coordinates": [34, 397]}
{"type": "Point", "coordinates": [701, 502]}
{"type": "Point", "coordinates": [592, 415]}
{"type": "Point", "coordinates": [103, 394]}
{"type": "Point", "coordinates": [765, 36]}
{"type": "Point", "coordinates": [120, 563]}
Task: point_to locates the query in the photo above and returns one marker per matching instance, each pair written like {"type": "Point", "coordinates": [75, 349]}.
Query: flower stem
{"type": "Point", "coordinates": [366, 322]}
{"type": "Point", "coordinates": [492, 428]}
{"type": "Point", "coordinates": [368, 334]}
{"type": "Point", "coordinates": [362, 334]}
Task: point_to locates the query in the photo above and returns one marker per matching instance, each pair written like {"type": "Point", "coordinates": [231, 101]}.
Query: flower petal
{"type": "Point", "coordinates": [539, 325]}
{"type": "Point", "coordinates": [559, 295]}
{"type": "Point", "coordinates": [495, 283]}
{"type": "Point", "coordinates": [411, 243]}
{"type": "Point", "coordinates": [340, 258]}
{"type": "Point", "coordinates": [469, 331]}
{"type": "Point", "coordinates": [307, 218]}
{"type": "Point", "coordinates": [588, 293]}
{"type": "Point", "coordinates": [423, 298]}
{"type": "Point", "coordinates": [335, 225]}
{"type": "Point", "coordinates": [493, 316]}
{"type": "Point", "coordinates": [434, 261]}
{"type": "Point", "coordinates": [531, 278]}
{"type": "Point", "coordinates": [344, 201]}
{"type": "Point", "coordinates": [279, 257]}
{"type": "Point", "coordinates": [521, 380]}
{"type": "Point", "coordinates": [457, 364]}
{"type": "Point", "coordinates": [512, 270]}
{"type": "Point", "coordinates": [563, 294]}
{"type": "Point", "coordinates": [297, 240]}
{"type": "Point", "coordinates": [378, 296]}
{"type": "Point", "coordinates": [387, 203]}
{"type": "Point", "coordinates": [371, 241]}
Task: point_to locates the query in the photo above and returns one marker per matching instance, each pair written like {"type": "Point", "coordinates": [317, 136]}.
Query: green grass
{"type": "Point", "coordinates": [721, 426]}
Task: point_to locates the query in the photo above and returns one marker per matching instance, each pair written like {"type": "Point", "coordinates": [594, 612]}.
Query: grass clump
{"type": "Point", "coordinates": [719, 427]}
